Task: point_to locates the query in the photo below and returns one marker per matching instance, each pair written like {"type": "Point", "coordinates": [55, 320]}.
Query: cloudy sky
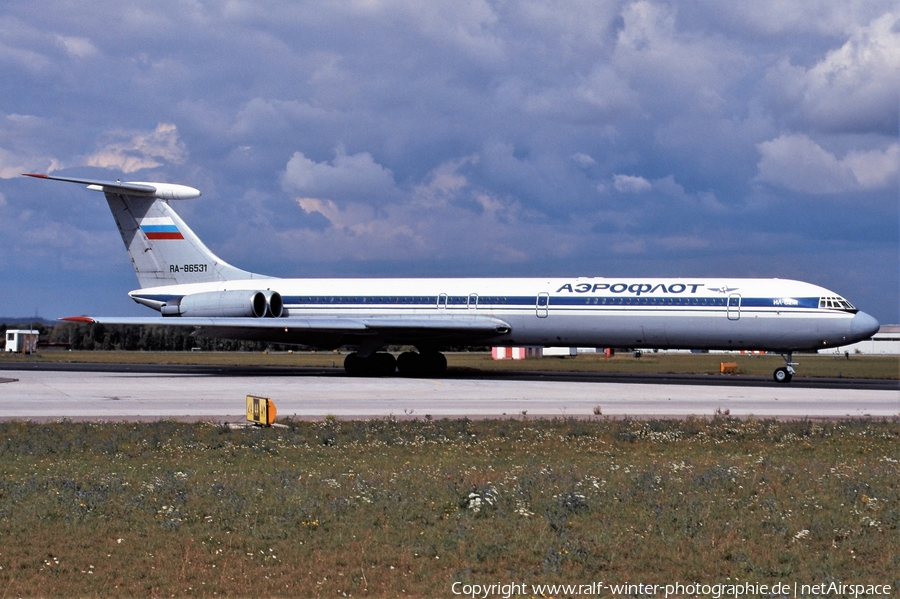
{"type": "Point", "coordinates": [457, 138]}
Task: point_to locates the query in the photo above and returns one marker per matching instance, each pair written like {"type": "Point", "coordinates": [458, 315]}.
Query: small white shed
{"type": "Point", "coordinates": [21, 341]}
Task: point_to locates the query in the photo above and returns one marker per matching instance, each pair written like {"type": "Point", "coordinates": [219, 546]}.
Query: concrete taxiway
{"type": "Point", "coordinates": [42, 395]}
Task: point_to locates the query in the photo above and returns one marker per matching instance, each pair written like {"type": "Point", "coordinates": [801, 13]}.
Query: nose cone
{"type": "Point", "coordinates": [863, 326]}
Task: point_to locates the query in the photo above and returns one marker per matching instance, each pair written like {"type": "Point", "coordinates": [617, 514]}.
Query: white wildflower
{"type": "Point", "coordinates": [801, 535]}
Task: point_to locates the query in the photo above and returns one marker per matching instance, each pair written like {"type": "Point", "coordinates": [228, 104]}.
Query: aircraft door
{"type": "Point", "coordinates": [542, 305]}
{"type": "Point", "coordinates": [442, 301]}
{"type": "Point", "coordinates": [473, 301]}
{"type": "Point", "coordinates": [734, 306]}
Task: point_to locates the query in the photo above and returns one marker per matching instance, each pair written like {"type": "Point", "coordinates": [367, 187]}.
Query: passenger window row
{"type": "Point", "coordinates": [661, 301]}
{"type": "Point", "coordinates": [393, 299]}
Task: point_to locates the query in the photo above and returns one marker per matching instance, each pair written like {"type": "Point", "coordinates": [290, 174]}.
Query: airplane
{"type": "Point", "coordinates": [188, 285]}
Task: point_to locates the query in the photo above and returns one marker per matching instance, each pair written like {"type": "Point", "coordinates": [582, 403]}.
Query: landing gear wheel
{"type": "Point", "coordinates": [783, 375]}
{"type": "Point", "coordinates": [383, 364]}
{"type": "Point", "coordinates": [436, 363]}
{"type": "Point", "coordinates": [409, 363]}
{"type": "Point", "coordinates": [422, 364]}
{"type": "Point", "coordinates": [355, 366]}
{"type": "Point", "coordinates": [378, 364]}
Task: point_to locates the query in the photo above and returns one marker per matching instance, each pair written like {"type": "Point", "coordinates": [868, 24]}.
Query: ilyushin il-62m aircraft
{"type": "Point", "coordinates": [188, 285]}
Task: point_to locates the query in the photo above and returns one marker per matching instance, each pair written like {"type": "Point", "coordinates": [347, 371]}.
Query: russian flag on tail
{"type": "Point", "coordinates": [160, 228]}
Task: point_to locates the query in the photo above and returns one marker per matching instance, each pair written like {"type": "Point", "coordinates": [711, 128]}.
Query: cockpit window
{"type": "Point", "coordinates": [836, 303]}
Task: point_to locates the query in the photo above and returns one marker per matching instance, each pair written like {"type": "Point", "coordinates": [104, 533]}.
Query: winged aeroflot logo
{"type": "Point", "coordinates": [723, 289]}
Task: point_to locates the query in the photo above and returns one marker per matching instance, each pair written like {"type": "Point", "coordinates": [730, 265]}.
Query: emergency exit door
{"type": "Point", "coordinates": [734, 306]}
{"type": "Point", "coordinates": [542, 305]}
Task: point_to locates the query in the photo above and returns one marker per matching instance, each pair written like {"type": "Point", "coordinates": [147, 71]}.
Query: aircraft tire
{"type": "Point", "coordinates": [355, 366]}
{"type": "Point", "coordinates": [378, 364]}
{"type": "Point", "coordinates": [782, 375]}
{"type": "Point", "coordinates": [383, 364]}
{"type": "Point", "coordinates": [409, 363]}
{"type": "Point", "coordinates": [422, 364]}
{"type": "Point", "coordinates": [435, 363]}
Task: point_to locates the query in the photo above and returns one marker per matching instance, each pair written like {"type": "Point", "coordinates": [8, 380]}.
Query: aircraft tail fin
{"type": "Point", "coordinates": [163, 249]}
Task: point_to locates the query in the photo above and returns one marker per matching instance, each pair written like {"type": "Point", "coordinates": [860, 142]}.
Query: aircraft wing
{"type": "Point", "coordinates": [392, 326]}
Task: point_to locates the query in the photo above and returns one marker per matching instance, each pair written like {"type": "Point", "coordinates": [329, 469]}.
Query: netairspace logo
{"type": "Point", "coordinates": [714, 591]}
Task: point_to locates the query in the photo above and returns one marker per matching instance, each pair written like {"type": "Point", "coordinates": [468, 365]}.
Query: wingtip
{"type": "Point", "coordinates": [35, 175]}
{"type": "Point", "coordinates": [86, 319]}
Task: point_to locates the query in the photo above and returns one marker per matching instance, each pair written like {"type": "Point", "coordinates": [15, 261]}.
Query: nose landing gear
{"type": "Point", "coordinates": [784, 375]}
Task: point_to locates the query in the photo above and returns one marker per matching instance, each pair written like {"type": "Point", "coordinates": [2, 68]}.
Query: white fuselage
{"type": "Point", "coordinates": [766, 314]}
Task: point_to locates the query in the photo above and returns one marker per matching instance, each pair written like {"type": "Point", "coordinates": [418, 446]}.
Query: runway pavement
{"type": "Point", "coordinates": [220, 396]}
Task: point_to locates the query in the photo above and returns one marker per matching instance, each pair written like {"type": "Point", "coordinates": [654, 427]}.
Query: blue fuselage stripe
{"type": "Point", "coordinates": [531, 302]}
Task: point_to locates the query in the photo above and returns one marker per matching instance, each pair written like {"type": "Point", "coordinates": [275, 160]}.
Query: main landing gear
{"type": "Point", "coordinates": [784, 375]}
{"type": "Point", "coordinates": [376, 364]}
{"type": "Point", "coordinates": [426, 363]}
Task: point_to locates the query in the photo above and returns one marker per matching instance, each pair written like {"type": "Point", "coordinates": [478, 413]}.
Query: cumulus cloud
{"type": "Point", "coordinates": [406, 232]}
{"type": "Point", "coordinates": [348, 177]}
{"type": "Point", "coordinates": [468, 27]}
{"type": "Point", "coordinates": [602, 91]}
{"type": "Point", "coordinates": [444, 184]}
{"type": "Point", "coordinates": [441, 216]}
{"type": "Point", "coordinates": [20, 148]}
{"type": "Point", "coordinates": [853, 88]}
{"type": "Point", "coordinates": [875, 169]}
{"type": "Point", "coordinates": [652, 54]}
{"type": "Point", "coordinates": [363, 230]}
{"type": "Point", "coordinates": [20, 45]}
{"type": "Point", "coordinates": [11, 165]}
{"type": "Point", "coordinates": [263, 117]}
{"type": "Point", "coordinates": [583, 160]}
{"type": "Point", "coordinates": [799, 20]}
{"type": "Point", "coordinates": [78, 47]}
{"type": "Point", "coordinates": [631, 184]}
{"type": "Point", "coordinates": [705, 201]}
{"type": "Point", "coordinates": [326, 208]}
{"type": "Point", "coordinates": [798, 163]}
{"type": "Point", "coordinates": [130, 151]}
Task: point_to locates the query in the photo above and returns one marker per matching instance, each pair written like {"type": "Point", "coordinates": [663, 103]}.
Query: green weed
{"type": "Point", "coordinates": [388, 507]}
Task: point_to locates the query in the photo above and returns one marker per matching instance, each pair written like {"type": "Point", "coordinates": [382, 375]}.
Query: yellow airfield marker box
{"type": "Point", "coordinates": [260, 410]}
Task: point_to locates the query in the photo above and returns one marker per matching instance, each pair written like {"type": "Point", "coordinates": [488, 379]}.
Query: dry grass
{"type": "Point", "coordinates": [387, 508]}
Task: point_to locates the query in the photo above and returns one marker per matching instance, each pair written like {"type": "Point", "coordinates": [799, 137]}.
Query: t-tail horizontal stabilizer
{"type": "Point", "coordinates": [163, 249]}
{"type": "Point", "coordinates": [163, 191]}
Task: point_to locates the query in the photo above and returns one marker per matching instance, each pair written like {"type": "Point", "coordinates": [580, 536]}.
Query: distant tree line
{"type": "Point", "coordinates": [108, 337]}
{"type": "Point", "coordinates": [99, 337]}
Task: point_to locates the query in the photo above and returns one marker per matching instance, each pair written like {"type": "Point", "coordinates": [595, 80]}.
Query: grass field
{"type": "Point", "coordinates": [879, 367]}
{"type": "Point", "coordinates": [391, 508]}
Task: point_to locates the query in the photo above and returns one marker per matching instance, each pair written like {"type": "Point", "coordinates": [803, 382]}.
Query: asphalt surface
{"type": "Point", "coordinates": [148, 392]}
{"type": "Point", "coordinates": [469, 374]}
